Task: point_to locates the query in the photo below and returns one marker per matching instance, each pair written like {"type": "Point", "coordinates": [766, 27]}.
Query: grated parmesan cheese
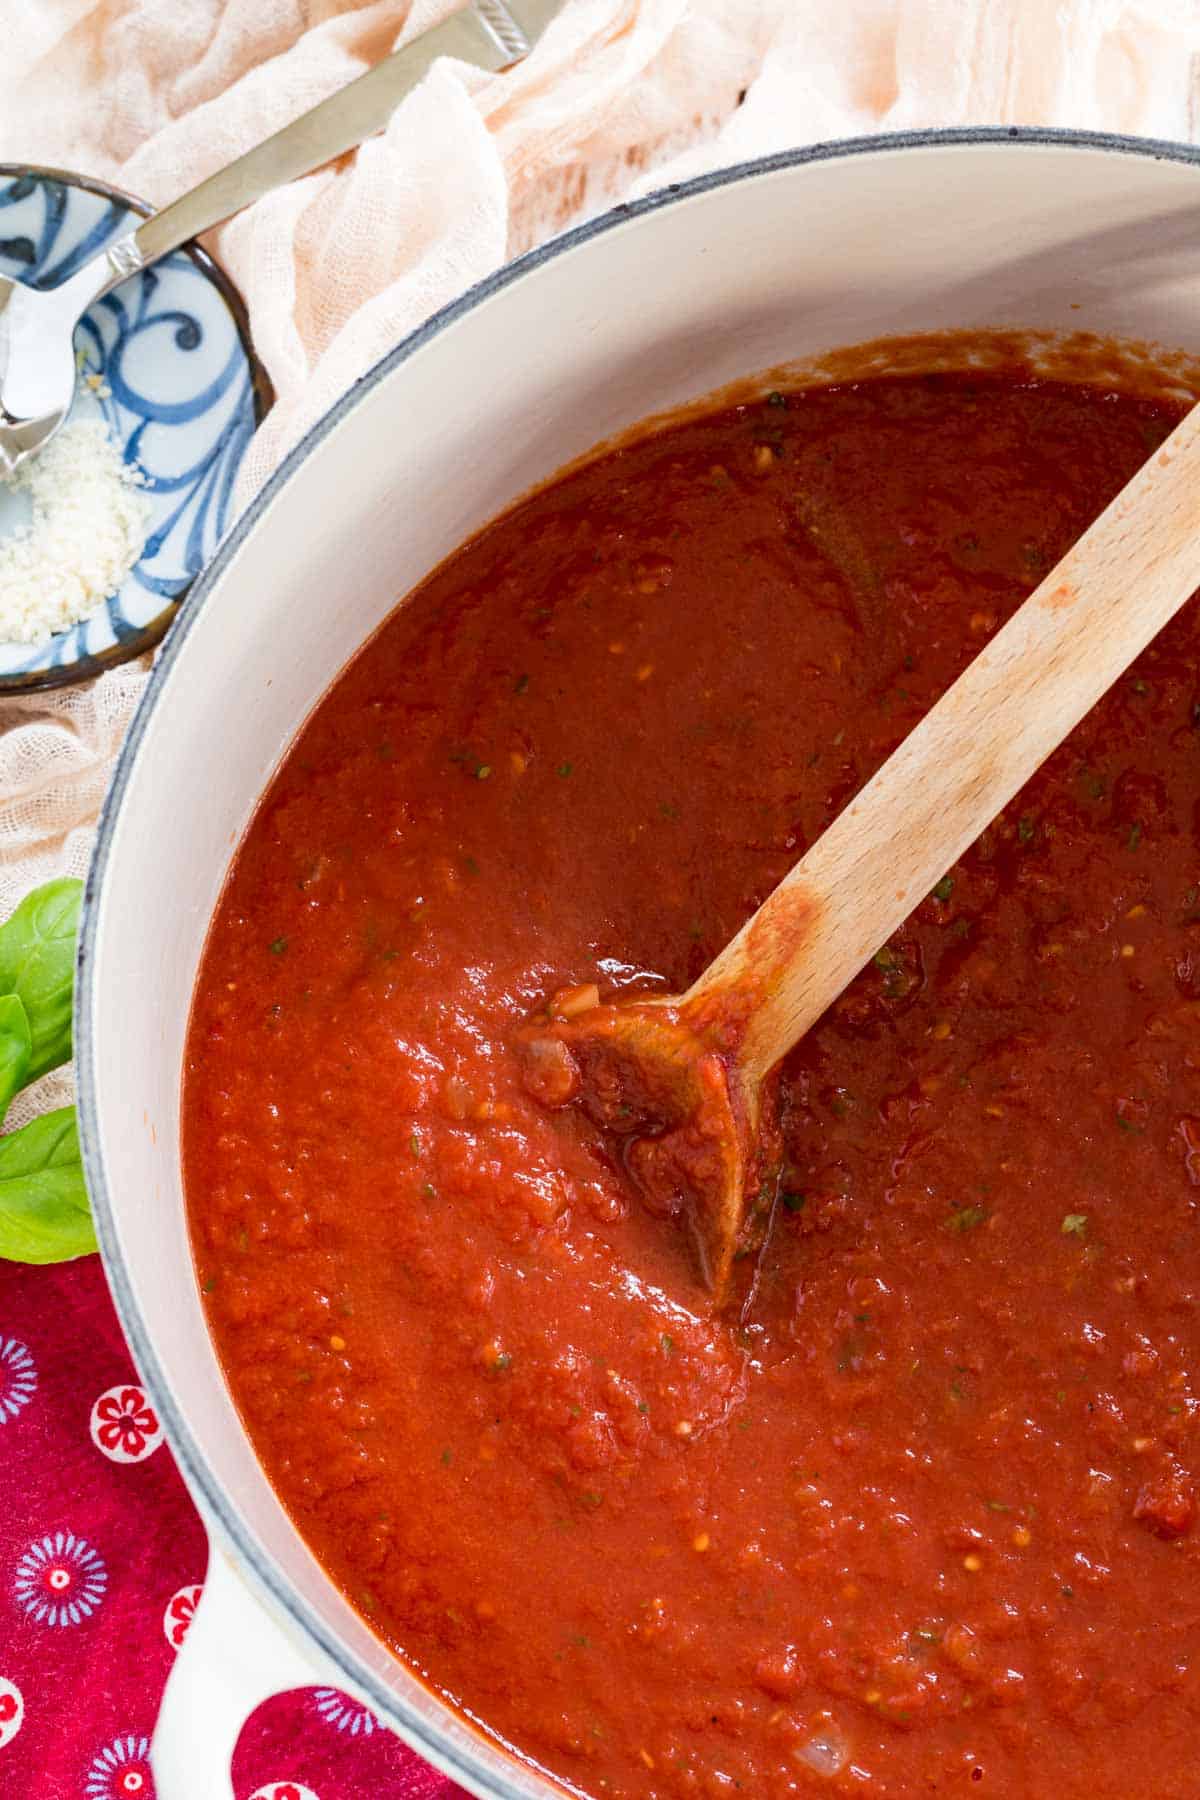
{"type": "Point", "coordinates": [88, 528]}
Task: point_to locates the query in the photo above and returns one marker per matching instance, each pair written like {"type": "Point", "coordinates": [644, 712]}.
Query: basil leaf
{"type": "Point", "coordinates": [44, 1213]}
{"type": "Point", "coordinates": [37, 964]}
{"type": "Point", "coordinates": [16, 1048]}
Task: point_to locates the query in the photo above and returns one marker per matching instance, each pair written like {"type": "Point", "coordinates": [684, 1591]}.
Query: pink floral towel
{"type": "Point", "coordinates": [102, 1558]}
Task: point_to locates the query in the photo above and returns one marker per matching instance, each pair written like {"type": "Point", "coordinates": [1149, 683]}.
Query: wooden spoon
{"type": "Point", "coordinates": [683, 1082]}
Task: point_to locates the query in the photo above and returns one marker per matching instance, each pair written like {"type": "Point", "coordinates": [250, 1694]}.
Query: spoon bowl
{"type": "Point", "coordinates": [687, 1129]}
{"type": "Point", "coordinates": [37, 366]}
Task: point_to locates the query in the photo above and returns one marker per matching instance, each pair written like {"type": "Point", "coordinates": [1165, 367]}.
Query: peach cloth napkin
{"type": "Point", "coordinates": [619, 97]}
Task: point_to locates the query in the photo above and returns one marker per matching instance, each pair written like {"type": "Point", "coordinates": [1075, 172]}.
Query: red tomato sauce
{"type": "Point", "coordinates": [920, 1517]}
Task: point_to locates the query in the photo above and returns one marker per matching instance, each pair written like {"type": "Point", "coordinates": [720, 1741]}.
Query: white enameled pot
{"type": "Point", "coordinates": [648, 307]}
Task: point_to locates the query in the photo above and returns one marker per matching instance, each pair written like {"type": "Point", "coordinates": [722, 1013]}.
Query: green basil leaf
{"type": "Point", "coordinates": [37, 964]}
{"type": "Point", "coordinates": [44, 1212]}
{"type": "Point", "coordinates": [16, 1049]}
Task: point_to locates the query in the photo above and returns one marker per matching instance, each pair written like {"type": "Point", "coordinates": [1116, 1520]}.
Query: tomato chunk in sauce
{"type": "Point", "coordinates": [920, 1517]}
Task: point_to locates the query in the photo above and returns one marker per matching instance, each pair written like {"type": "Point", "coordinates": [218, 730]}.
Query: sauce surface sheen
{"type": "Point", "coordinates": [920, 1519]}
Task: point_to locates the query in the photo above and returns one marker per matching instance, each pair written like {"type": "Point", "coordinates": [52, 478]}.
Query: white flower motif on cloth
{"type": "Point", "coordinates": [283, 1790]}
{"type": "Point", "coordinates": [12, 1710]}
{"type": "Point", "coordinates": [60, 1580]}
{"type": "Point", "coordinates": [121, 1771]}
{"type": "Point", "coordinates": [178, 1614]}
{"type": "Point", "coordinates": [125, 1426]}
{"type": "Point", "coordinates": [346, 1714]}
{"type": "Point", "coordinates": [18, 1378]}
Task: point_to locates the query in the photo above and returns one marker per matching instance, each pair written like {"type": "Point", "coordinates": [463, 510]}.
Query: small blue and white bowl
{"type": "Point", "coordinates": [175, 378]}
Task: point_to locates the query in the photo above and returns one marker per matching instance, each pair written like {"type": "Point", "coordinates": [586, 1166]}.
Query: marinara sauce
{"type": "Point", "coordinates": [920, 1517]}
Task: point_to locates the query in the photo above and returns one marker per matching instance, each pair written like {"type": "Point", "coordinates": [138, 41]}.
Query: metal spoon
{"type": "Point", "coordinates": [37, 326]}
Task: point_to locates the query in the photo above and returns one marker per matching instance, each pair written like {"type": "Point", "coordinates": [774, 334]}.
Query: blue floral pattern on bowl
{"type": "Point", "coordinates": [165, 359]}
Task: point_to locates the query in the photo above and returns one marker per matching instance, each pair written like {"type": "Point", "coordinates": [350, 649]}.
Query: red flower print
{"type": "Point", "coordinates": [127, 1420]}
{"type": "Point", "coordinates": [178, 1615]}
{"type": "Point", "coordinates": [12, 1710]}
{"type": "Point", "coordinates": [124, 1424]}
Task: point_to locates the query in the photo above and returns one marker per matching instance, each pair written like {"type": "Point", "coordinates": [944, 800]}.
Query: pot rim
{"type": "Point", "coordinates": [418, 1731]}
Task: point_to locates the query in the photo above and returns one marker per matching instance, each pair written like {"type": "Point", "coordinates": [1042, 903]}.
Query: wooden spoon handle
{"type": "Point", "coordinates": [1017, 701]}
